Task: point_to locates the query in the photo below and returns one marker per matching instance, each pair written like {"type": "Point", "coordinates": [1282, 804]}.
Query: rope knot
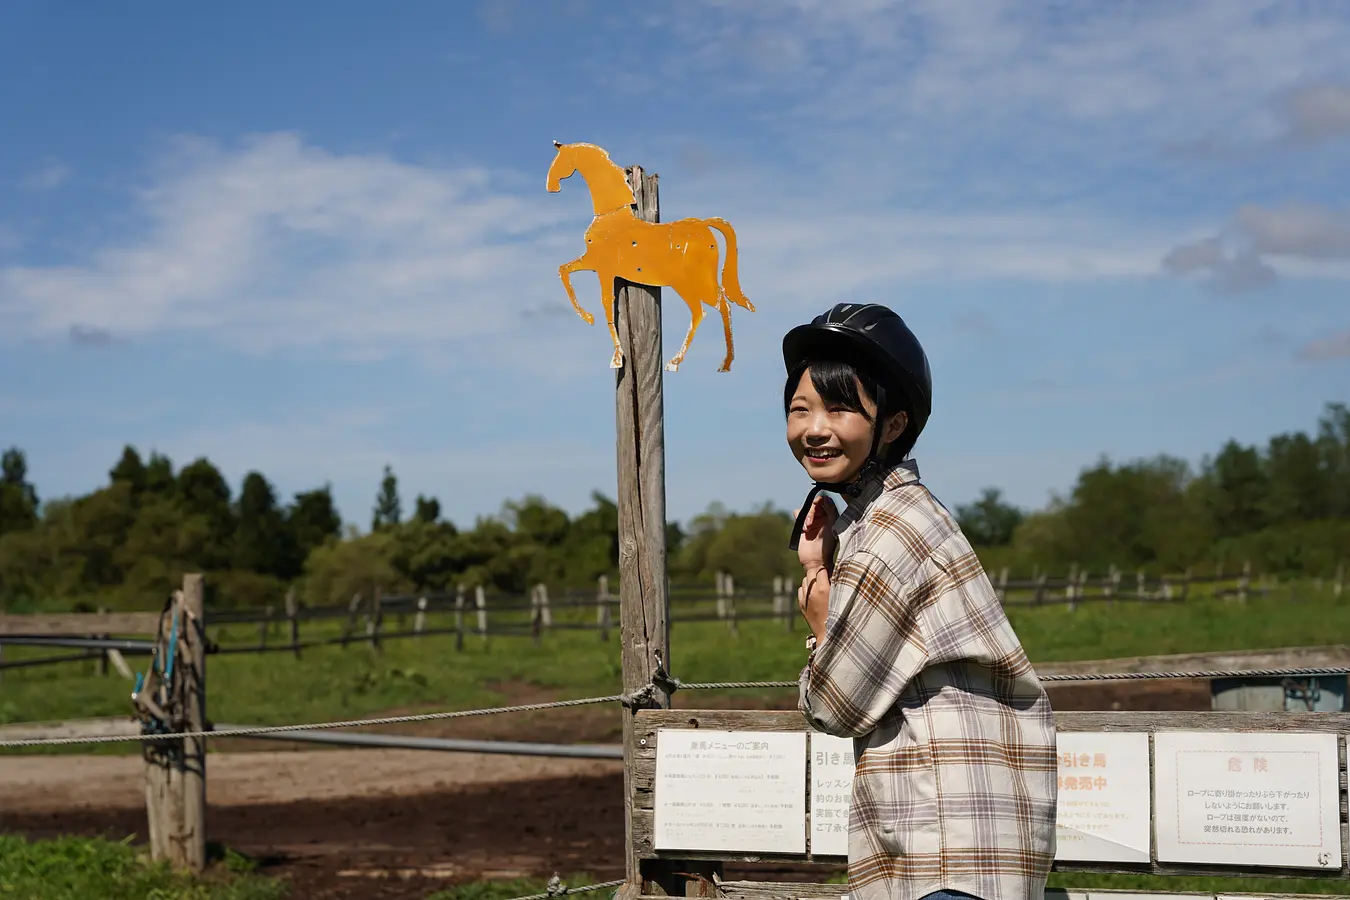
{"type": "Point", "coordinates": [555, 887]}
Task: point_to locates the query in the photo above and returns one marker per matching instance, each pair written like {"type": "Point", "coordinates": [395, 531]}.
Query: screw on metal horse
{"type": "Point", "coordinates": [681, 254]}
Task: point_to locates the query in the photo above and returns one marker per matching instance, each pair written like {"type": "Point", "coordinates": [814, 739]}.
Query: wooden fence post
{"type": "Point", "coordinates": [293, 620]}
{"type": "Point", "coordinates": [602, 618]}
{"type": "Point", "coordinates": [1186, 585]}
{"type": "Point", "coordinates": [1245, 581]}
{"type": "Point", "coordinates": [175, 770]}
{"type": "Point", "coordinates": [420, 620]}
{"type": "Point", "coordinates": [1140, 585]}
{"type": "Point", "coordinates": [721, 591]}
{"type": "Point", "coordinates": [1039, 597]}
{"type": "Point", "coordinates": [375, 618]}
{"type": "Point", "coordinates": [536, 615]}
{"type": "Point", "coordinates": [480, 601]}
{"type": "Point", "coordinates": [644, 601]}
{"type": "Point", "coordinates": [103, 655]}
{"type": "Point", "coordinates": [350, 625]}
{"type": "Point", "coordinates": [459, 617]}
{"type": "Point", "coordinates": [1003, 585]}
{"type": "Point", "coordinates": [546, 614]}
{"type": "Point", "coordinates": [731, 604]}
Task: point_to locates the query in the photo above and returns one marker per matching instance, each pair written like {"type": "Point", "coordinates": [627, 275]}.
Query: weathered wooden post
{"type": "Point", "coordinates": [375, 620]}
{"type": "Point", "coordinates": [459, 617]}
{"type": "Point", "coordinates": [480, 601]}
{"type": "Point", "coordinates": [349, 626]}
{"type": "Point", "coordinates": [602, 606]}
{"type": "Point", "coordinates": [293, 620]}
{"type": "Point", "coordinates": [420, 620]}
{"type": "Point", "coordinates": [644, 600]}
{"type": "Point", "coordinates": [730, 584]}
{"type": "Point", "coordinates": [536, 615]}
{"type": "Point", "coordinates": [175, 770]}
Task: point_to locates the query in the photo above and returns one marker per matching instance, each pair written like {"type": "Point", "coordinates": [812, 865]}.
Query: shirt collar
{"type": "Point", "coordinates": [881, 480]}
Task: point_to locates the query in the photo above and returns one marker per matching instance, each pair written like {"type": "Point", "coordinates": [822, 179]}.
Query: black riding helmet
{"type": "Point", "coordinates": [875, 338]}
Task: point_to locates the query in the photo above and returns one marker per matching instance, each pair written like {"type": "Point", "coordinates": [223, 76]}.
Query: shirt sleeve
{"type": "Point", "coordinates": [873, 647]}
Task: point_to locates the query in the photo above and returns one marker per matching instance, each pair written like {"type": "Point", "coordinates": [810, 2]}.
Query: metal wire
{"type": "Point", "coordinates": [637, 698]}
{"type": "Point", "coordinates": [1306, 672]}
{"type": "Point", "coordinates": [313, 726]}
{"type": "Point", "coordinates": [557, 889]}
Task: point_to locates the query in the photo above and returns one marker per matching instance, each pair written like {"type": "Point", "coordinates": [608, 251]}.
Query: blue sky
{"type": "Point", "coordinates": [310, 239]}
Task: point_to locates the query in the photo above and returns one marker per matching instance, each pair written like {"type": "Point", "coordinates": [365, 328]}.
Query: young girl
{"type": "Point", "coordinates": [910, 654]}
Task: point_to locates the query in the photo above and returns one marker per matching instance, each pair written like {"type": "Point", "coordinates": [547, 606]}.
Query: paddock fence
{"type": "Point", "coordinates": [474, 613]}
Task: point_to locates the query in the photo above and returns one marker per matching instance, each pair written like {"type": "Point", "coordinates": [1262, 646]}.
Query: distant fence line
{"type": "Point", "coordinates": [476, 612]}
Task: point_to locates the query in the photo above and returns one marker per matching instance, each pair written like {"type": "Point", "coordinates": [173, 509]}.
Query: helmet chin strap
{"type": "Point", "coordinates": [846, 488]}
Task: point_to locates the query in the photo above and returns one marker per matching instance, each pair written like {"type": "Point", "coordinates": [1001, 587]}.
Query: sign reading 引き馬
{"type": "Point", "coordinates": [681, 254]}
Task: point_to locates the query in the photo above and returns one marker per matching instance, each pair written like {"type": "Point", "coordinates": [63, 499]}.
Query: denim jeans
{"type": "Point", "coordinates": [948, 895]}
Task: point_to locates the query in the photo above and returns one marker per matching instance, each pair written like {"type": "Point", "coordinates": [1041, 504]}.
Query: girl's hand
{"type": "Point", "coordinates": [818, 543]}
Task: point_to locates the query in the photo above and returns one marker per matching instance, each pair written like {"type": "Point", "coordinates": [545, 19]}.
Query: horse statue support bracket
{"type": "Point", "coordinates": [681, 255]}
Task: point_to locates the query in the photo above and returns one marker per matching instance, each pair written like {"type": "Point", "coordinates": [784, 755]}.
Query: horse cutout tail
{"type": "Point", "coordinates": [731, 282]}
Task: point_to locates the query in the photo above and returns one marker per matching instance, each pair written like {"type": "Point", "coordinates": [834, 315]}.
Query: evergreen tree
{"type": "Point", "coordinates": [388, 509]}
{"type": "Point", "coordinates": [18, 498]}
{"type": "Point", "coordinates": [130, 469]}
{"type": "Point", "coordinates": [428, 509]}
{"type": "Point", "coordinates": [260, 537]}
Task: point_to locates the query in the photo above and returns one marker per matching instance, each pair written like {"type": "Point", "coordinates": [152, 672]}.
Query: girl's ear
{"type": "Point", "coordinates": [895, 426]}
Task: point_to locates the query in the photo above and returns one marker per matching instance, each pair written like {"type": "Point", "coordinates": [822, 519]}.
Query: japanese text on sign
{"type": "Point", "coordinates": [832, 767]}
{"type": "Point", "coordinates": [1269, 799]}
{"type": "Point", "coordinates": [730, 791]}
{"type": "Point", "coordinates": [1103, 813]}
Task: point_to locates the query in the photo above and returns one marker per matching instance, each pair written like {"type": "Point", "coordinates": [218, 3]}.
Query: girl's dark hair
{"type": "Point", "coordinates": [837, 384]}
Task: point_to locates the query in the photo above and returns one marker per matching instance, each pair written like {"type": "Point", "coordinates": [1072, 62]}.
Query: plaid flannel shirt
{"type": "Point", "coordinates": [955, 785]}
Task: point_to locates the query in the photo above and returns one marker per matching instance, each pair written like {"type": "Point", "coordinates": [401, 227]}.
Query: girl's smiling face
{"type": "Point", "coordinates": [832, 438]}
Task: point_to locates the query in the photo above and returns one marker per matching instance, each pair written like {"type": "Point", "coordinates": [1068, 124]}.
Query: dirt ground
{"type": "Point", "coordinates": [402, 824]}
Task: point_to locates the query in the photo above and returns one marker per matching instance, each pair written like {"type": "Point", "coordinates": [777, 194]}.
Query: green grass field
{"type": "Point", "coordinates": [428, 673]}
{"type": "Point", "coordinates": [91, 869]}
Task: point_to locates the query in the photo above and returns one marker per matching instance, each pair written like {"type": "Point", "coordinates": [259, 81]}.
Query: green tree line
{"type": "Point", "coordinates": [1285, 507]}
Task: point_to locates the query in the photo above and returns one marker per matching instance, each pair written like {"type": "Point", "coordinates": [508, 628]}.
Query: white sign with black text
{"type": "Point", "coordinates": [734, 791]}
{"type": "Point", "coordinates": [832, 767]}
{"type": "Point", "coordinates": [1262, 799]}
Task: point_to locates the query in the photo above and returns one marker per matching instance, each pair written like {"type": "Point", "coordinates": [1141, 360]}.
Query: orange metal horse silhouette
{"type": "Point", "coordinates": [680, 254]}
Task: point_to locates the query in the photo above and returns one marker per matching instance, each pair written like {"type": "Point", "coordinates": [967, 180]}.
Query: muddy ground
{"type": "Point", "coordinates": [402, 824]}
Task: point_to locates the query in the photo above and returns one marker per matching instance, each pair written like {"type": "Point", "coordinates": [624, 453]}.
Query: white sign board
{"type": "Point", "coordinates": [831, 790]}
{"type": "Point", "coordinates": [1103, 811]}
{"type": "Point", "coordinates": [1266, 799]}
{"type": "Point", "coordinates": [734, 791]}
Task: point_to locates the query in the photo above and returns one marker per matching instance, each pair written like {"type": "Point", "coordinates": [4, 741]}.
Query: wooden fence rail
{"type": "Point", "coordinates": [373, 620]}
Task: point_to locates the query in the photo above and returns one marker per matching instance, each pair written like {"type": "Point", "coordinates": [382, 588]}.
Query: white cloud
{"type": "Point", "coordinates": [1238, 257]}
{"type": "Point", "coordinates": [279, 244]}
{"type": "Point", "coordinates": [50, 175]}
{"type": "Point", "coordinates": [1005, 60]}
